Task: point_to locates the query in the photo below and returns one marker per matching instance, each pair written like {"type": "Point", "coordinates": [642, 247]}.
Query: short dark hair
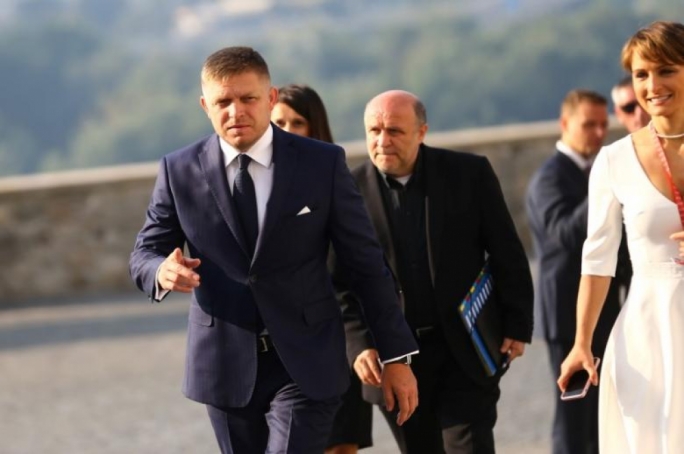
{"type": "Point", "coordinates": [575, 97]}
{"type": "Point", "coordinates": [305, 101]}
{"type": "Point", "coordinates": [660, 42]}
{"type": "Point", "coordinates": [421, 113]}
{"type": "Point", "coordinates": [230, 61]}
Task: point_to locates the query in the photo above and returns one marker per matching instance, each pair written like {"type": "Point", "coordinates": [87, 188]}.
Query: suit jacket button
{"type": "Point", "coordinates": [252, 278]}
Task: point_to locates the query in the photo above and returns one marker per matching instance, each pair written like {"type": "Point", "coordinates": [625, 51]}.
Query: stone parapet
{"type": "Point", "coordinates": [68, 234]}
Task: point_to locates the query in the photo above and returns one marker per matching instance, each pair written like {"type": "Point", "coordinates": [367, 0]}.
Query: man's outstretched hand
{"type": "Point", "coordinates": [176, 273]}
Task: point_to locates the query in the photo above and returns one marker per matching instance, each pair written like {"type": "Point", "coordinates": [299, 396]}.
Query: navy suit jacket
{"type": "Point", "coordinates": [466, 221]}
{"type": "Point", "coordinates": [287, 279]}
{"type": "Point", "coordinates": [556, 206]}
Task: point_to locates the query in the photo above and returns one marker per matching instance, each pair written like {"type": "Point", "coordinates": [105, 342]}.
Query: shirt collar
{"type": "Point", "coordinates": [261, 151]}
{"type": "Point", "coordinates": [407, 178]}
{"type": "Point", "coordinates": [582, 162]}
{"type": "Point", "coordinates": [402, 180]}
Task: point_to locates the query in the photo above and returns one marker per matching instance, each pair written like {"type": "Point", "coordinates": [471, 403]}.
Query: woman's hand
{"type": "Point", "coordinates": [679, 237]}
{"type": "Point", "coordinates": [579, 358]}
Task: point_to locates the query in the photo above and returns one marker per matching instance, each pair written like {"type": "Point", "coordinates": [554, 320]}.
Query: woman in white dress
{"type": "Point", "coordinates": [638, 180]}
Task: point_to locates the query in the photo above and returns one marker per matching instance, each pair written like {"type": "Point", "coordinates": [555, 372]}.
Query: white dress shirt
{"type": "Point", "coordinates": [260, 169]}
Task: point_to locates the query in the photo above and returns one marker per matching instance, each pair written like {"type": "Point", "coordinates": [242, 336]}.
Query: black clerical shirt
{"type": "Point", "coordinates": [405, 209]}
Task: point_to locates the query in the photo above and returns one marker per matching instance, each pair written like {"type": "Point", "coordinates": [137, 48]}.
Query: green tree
{"type": "Point", "coordinates": [18, 152]}
{"type": "Point", "coordinates": [154, 112]}
{"type": "Point", "coordinates": [46, 89]}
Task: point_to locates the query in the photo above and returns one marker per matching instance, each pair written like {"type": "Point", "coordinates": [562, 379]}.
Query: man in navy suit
{"type": "Point", "coordinates": [557, 211]}
{"type": "Point", "coordinates": [258, 209]}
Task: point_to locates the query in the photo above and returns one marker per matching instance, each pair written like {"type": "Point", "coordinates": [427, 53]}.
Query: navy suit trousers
{"type": "Point", "coordinates": [278, 419]}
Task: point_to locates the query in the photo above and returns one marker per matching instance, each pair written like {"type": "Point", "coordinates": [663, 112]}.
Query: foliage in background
{"type": "Point", "coordinates": [96, 83]}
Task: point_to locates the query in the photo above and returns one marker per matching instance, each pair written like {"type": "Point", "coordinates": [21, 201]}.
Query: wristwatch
{"type": "Point", "coordinates": [406, 360]}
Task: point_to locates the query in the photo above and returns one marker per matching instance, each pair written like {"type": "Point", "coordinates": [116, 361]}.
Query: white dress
{"type": "Point", "coordinates": [641, 394]}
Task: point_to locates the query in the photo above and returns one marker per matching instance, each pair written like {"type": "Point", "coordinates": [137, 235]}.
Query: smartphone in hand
{"type": "Point", "coordinates": [579, 384]}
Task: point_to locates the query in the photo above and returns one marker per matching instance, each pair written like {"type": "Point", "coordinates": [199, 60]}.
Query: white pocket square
{"type": "Point", "coordinates": [304, 210]}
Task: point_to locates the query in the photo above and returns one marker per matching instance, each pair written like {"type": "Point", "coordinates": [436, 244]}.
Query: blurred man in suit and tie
{"type": "Point", "coordinates": [556, 205]}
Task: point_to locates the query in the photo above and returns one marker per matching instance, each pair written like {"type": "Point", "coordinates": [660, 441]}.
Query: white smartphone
{"type": "Point", "coordinates": [579, 384]}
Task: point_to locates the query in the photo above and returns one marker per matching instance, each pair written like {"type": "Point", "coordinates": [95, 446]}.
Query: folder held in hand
{"type": "Point", "coordinates": [481, 316]}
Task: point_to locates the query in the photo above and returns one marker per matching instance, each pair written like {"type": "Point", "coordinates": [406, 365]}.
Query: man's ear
{"type": "Point", "coordinates": [272, 97]}
{"type": "Point", "coordinates": [422, 131]}
{"type": "Point", "coordinates": [203, 104]}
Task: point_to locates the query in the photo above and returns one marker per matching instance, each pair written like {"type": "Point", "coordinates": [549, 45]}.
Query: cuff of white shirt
{"type": "Point", "coordinates": [399, 357]}
{"type": "Point", "coordinates": [159, 293]}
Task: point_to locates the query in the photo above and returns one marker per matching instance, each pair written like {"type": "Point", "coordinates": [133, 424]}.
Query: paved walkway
{"type": "Point", "coordinates": [103, 377]}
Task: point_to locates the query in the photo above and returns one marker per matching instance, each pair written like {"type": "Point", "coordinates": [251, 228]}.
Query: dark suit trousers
{"type": "Point", "coordinates": [278, 419]}
{"type": "Point", "coordinates": [575, 423]}
{"type": "Point", "coordinates": [454, 415]}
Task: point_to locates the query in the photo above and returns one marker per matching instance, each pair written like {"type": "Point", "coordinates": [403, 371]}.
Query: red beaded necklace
{"type": "Point", "coordinates": [675, 191]}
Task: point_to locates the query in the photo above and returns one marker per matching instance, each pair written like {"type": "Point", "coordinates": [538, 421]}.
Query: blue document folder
{"type": "Point", "coordinates": [482, 319]}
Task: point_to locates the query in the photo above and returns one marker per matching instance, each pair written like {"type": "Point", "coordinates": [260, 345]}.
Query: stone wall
{"type": "Point", "coordinates": [69, 234]}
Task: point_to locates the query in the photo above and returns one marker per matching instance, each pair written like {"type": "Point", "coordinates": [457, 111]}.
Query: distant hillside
{"type": "Point", "coordinates": [90, 83]}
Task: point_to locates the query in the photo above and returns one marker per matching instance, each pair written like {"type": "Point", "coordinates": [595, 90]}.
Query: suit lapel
{"type": "Point", "coordinates": [368, 186]}
{"type": "Point", "coordinates": [214, 170]}
{"type": "Point", "coordinates": [435, 182]}
{"type": "Point", "coordinates": [285, 159]}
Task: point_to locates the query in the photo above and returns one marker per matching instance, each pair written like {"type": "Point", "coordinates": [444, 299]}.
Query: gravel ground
{"type": "Point", "coordinates": [103, 376]}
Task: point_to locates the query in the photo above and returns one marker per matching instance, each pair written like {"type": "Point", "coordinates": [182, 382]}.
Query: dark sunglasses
{"type": "Point", "coordinates": [629, 108]}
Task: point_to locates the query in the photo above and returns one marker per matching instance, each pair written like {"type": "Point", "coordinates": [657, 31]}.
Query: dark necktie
{"type": "Point", "coordinates": [245, 202]}
{"type": "Point", "coordinates": [397, 191]}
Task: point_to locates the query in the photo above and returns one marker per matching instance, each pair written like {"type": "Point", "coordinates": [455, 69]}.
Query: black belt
{"type": "Point", "coordinates": [426, 332]}
{"type": "Point", "coordinates": [265, 344]}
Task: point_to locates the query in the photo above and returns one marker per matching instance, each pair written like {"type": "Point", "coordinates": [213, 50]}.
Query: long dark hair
{"type": "Point", "coordinates": [305, 101]}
